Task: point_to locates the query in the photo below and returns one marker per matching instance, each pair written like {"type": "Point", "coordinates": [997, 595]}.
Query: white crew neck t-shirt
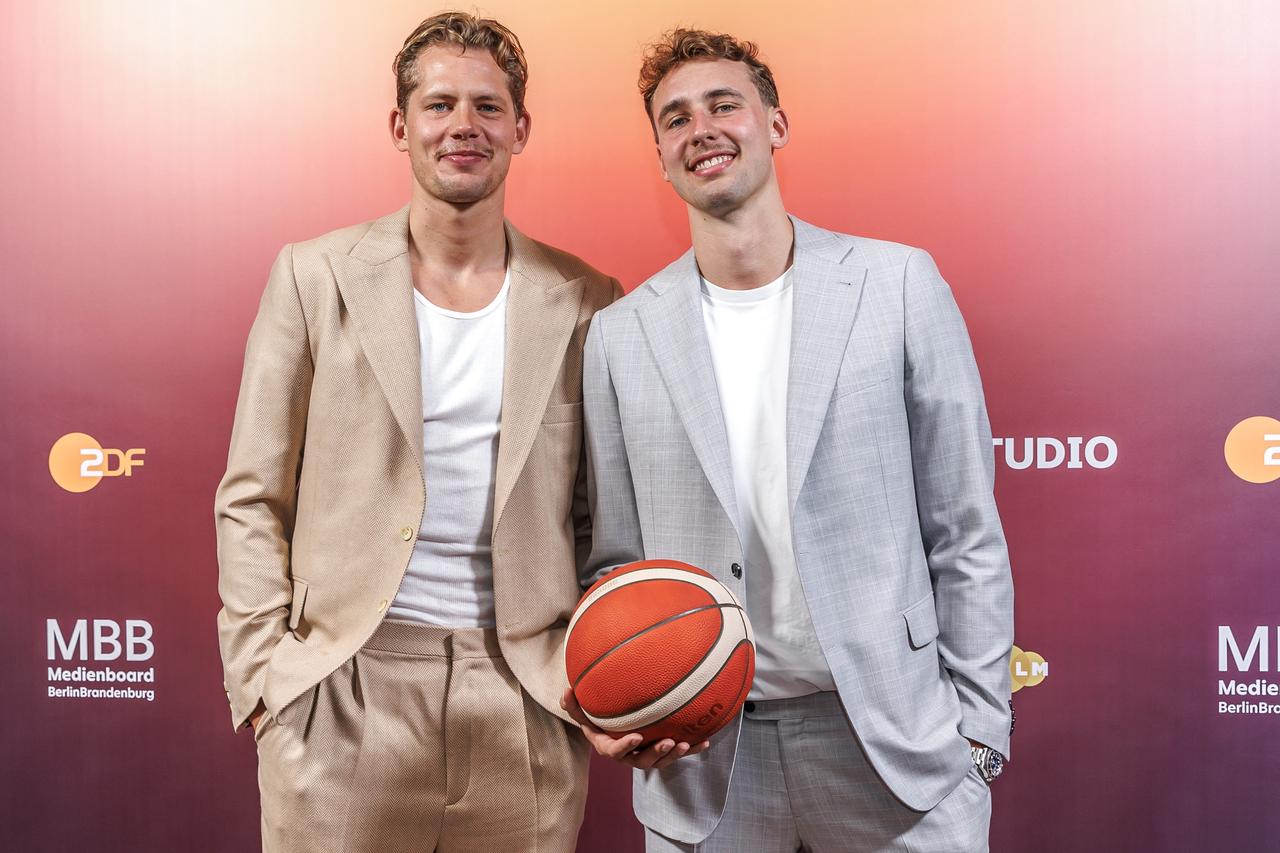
{"type": "Point", "coordinates": [750, 336]}
{"type": "Point", "coordinates": [449, 581]}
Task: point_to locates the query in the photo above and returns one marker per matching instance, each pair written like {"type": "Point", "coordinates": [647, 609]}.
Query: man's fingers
{"type": "Point", "coordinates": [569, 703]}
{"type": "Point", "coordinates": [648, 758]}
{"type": "Point", "coordinates": [648, 761]}
{"type": "Point", "coordinates": [616, 748]}
{"type": "Point", "coordinates": [679, 751]}
{"type": "Point", "coordinates": [701, 747]}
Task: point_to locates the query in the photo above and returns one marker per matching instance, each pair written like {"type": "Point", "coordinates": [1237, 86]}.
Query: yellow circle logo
{"type": "Point", "coordinates": [1026, 669]}
{"type": "Point", "coordinates": [75, 462]}
{"type": "Point", "coordinates": [1252, 450]}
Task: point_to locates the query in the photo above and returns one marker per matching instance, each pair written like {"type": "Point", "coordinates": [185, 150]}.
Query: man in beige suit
{"type": "Point", "coordinates": [404, 505]}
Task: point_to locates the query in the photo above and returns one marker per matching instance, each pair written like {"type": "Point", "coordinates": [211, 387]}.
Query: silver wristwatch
{"type": "Point", "coordinates": [990, 763]}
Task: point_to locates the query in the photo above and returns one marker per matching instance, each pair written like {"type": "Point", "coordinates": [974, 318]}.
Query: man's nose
{"type": "Point", "coordinates": [464, 125]}
{"type": "Point", "coordinates": [703, 131]}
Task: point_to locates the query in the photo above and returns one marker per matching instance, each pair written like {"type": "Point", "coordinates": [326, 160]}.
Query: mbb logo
{"type": "Point", "coordinates": [1252, 450]}
{"type": "Point", "coordinates": [1077, 452]}
{"type": "Point", "coordinates": [1026, 669]}
{"type": "Point", "coordinates": [78, 462]}
{"type": "Point", "coordinates": [100, 639]}
{"type": "Point", "coordinates": [1258, 649]}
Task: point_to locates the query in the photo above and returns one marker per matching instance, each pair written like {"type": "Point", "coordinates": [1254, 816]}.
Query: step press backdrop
{"type": "Point", "coordinates": [1097, 181]}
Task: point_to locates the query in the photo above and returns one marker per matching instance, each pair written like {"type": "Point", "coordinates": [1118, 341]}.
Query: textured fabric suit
{"type": "Point", "coordinates": [890, 473]}
{"type": "Point", "coordinates": [324, 493]}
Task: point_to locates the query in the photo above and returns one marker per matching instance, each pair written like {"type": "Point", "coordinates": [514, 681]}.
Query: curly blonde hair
{"type": "Point", "coordinates": [683, 45]}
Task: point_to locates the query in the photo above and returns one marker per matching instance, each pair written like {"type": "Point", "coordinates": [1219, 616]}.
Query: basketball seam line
{"type": "Point", "coordinates": [693, 698]}
{"type": "Point", "coordinates": [604, 582]}
{"type": "Point", "coordinates": [653, 627]}
{"type": "Point", "coordinates": [715, 675]}
{"type": "Point", "coordinates": [583, 612]}
{"type": "Point", "coordinates": [621, 586]}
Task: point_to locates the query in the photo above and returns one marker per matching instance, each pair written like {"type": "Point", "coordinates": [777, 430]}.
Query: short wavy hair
{"type": "Point", "coordinates": [681, 45]}
{"type": "Point", "coordinates": [465, 30]}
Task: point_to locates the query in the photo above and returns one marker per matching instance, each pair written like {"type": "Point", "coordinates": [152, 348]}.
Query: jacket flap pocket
{"type": "Point", "coordinates": [299, 600]}
{"type": "Point", "coordinates": [857, 385]}
{"type": "Point", "coordinates": [922, 622]}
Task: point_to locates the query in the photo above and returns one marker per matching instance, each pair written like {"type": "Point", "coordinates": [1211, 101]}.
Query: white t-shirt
{"type": "Point", "coordinates": [750, 336]}
{"type": "Point", "coordinates": [449, 581]}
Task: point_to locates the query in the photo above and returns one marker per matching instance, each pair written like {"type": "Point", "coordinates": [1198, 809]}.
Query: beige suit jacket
{"type": "Point", "coordinates": [324, 493]}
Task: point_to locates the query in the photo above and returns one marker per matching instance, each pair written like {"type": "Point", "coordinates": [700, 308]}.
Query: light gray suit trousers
{"type": "Point", "coordinates": [802, 783]}
{"type": "Point", "coordinates": [890, 474]}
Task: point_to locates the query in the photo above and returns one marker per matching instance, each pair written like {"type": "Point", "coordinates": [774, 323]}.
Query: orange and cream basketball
{"type": "Point", "coordinates": [660, 648]}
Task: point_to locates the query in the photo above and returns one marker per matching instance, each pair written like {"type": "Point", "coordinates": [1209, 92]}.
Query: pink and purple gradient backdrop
{"type": "Point", "coordinates": [1097, 181]}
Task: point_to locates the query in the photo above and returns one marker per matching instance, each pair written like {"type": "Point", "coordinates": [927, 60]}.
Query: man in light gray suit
{"type": "Point", "coordinates": [799, 413]}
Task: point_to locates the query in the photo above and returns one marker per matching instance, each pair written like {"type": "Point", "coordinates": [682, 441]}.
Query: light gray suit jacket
{"type": "Point", "coordinates": [890, 474]}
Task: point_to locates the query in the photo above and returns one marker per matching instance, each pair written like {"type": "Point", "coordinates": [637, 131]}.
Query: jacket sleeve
{"type": "Point", "coordinates": [581, 498]}
{"type": "Point", "coordinates": [616, 537]}
{"type": "Point", "coordinates": [954, 469]}
{"type": "Point", "coordinates": [256, 501]}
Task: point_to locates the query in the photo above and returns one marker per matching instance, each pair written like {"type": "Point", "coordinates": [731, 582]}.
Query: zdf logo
{"type": "Point", "coordinates": [1252, 450]}
{"type": "Point", "coordinates": [78, 462]}
{"type": "Point", "coordinates": [1026, 669]}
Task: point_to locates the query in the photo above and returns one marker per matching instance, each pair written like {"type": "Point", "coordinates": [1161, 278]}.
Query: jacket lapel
{"type": "Point", "coordinates": [826, 298]}
{"type": "Point", "coordinates": [377, 289]}
{"type": "Point", "coordinates": [677, 336]}
{"type": "Point", "coordinates": [542, 313]}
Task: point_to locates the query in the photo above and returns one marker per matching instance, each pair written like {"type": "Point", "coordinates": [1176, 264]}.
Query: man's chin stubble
{"type": "Point", "coordinates": [461, 195]}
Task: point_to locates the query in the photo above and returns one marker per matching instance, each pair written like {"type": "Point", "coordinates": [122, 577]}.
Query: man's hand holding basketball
{"type": "Point", "coordinates": [625, 749]}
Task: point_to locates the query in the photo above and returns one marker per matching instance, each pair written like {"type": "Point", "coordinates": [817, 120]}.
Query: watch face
{"type": "Point", "coordinates": [995, 764]}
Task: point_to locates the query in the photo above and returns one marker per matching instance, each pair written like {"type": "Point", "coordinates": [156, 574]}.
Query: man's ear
{"type": "Point", "coordinates": [399, 133]}
{"type": "Point", "coordinates": [779, 128]}
{"type": "Point", "coordinates": [524, 126]}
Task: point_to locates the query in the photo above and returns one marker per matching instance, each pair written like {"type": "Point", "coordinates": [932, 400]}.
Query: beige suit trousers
{"type": "Point", "coordinates": [423, 741]}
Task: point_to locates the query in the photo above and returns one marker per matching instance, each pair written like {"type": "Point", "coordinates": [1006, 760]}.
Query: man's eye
{"type": "Point", "coordinates": [676, 122]}
{"type": "Point", "coordinates": [437, 107]}
{"type": "Point", "coordinates": [488, 108]}
{"type": "Point", "coordinates": [724, 107]}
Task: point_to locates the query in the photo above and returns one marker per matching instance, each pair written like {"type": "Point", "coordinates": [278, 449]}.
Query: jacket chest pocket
{"type": "Point", "coordinates": [563, 413]}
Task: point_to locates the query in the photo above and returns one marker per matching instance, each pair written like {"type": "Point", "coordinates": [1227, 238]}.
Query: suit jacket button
{"type": "Point", "coordinates": [406, 533]}
{"type": "Point", "coordinates": [736, 569]}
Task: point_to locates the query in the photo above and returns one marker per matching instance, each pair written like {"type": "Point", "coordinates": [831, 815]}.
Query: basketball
{"type": "Point", "coordinates": [660, 648]}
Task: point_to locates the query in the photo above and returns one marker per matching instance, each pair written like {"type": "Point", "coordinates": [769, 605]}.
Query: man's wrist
{"type": "Point", "coordinates": [989, 762]}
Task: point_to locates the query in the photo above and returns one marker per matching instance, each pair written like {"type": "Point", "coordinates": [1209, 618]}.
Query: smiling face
{"type": "Point", "coordinates": [716, 136]}
{"type": "Point", "coordinates": [459, 125]}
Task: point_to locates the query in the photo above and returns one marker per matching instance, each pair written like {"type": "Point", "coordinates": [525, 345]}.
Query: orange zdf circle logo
{"type": "Point", "coordinates": [1253, 450]}
{"type": "Point", "coordinates": [1027, 669]}
{"type": "Point", "coordinates": [78, 462]}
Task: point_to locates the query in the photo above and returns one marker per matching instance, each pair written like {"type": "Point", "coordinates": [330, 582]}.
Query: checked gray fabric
{"type": "Point", "coordinates": [802, 784]}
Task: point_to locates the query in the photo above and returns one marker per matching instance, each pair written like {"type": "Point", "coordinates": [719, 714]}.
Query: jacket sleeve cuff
{"type": "Point", "coordinates": [242, 708]}
{"type": "Point", "coordinates": [993, 733]}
